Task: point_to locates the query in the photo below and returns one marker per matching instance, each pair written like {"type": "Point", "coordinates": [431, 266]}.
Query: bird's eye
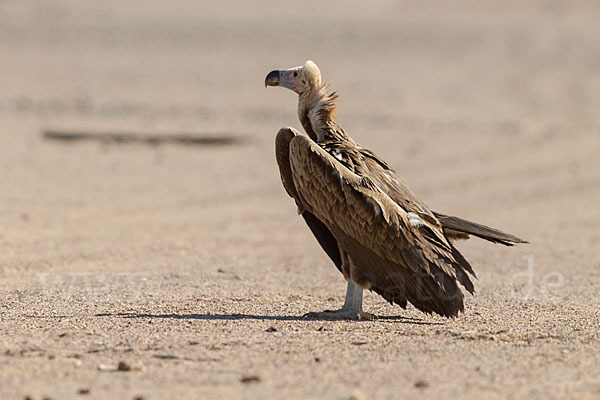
{"type": "Point", "coordinates": [295, 74]}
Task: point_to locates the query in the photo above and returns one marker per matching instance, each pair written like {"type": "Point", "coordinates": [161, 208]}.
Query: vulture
{"type": "Point", "coordinates": [375, 230]}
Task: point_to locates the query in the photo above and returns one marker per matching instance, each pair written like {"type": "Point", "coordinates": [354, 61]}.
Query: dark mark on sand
{"type": "Point", "coordinates": [250, 379]}
{"type": "Point", "coordinates": [166, 356]}
{"type": "Point", "coordinates": [421, 384]}
{"type": "Point", "coordinates": [187, 139]}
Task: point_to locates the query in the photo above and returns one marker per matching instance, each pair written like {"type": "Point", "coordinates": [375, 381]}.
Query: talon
{"type": "Point", "coordinates": [367, 316]}
{"type": "Point", "coordinates": [341, 314]}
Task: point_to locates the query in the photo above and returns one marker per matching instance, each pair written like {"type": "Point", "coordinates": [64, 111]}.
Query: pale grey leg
{"type": "Point", "coordinates": [353, 297]}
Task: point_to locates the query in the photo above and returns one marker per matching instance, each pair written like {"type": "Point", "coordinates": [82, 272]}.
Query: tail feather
{"type": "Point", "coordinates": [459, 228]}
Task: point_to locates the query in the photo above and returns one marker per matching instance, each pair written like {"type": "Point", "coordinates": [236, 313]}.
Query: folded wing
{"type": "Point", "coordinates": [403, 257]}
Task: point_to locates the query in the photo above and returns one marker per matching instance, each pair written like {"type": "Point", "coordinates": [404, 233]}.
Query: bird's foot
{"type": "Point", "coordinates": [343, 313]}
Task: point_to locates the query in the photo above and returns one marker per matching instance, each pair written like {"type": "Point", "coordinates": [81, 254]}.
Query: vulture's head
{"type": "Point", "coordinates": [304, 80]}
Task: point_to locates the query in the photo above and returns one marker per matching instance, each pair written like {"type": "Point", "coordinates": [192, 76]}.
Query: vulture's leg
{"type": "Point", "coordinates": [352, 308]}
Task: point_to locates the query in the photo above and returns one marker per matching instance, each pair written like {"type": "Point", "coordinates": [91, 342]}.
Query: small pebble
{"type": "Point", "coordinates": [104, 367]}
{"type": "Point", "coordinates": [123, 366]}
{"type": "Point", "coordinates": [271, 329]}
{"type": "Point", "coordinates": [356, 395]}
{"type": "Point", "coordinates": [421, 384]}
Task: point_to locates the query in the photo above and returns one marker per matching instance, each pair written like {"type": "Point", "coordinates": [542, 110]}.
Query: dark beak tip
{"type": "Point", "coordinates": [272, 78]}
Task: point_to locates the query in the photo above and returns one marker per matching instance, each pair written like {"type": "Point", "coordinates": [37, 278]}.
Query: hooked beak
{"type": "Point", "coordinates": [287, 78]}
{"type": "Point", "coordinates": [273, 78]}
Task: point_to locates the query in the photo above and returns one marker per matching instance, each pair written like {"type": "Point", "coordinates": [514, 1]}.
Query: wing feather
{"type": "Point", "coordinates": [402, 261]}
{"type": "Point", "coordinates": [325, 238]}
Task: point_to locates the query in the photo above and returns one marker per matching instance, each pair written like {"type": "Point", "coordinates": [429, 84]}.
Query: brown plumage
{"type": "Point", "coordinates": [371, 225]}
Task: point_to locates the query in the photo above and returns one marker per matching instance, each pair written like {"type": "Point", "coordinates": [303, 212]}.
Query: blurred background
{"type": "Point", "coordinates": [488, 109]}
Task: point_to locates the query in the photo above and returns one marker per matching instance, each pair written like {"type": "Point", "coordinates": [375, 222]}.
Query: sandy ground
{"type": "Point", "coordinates": [188, 264]}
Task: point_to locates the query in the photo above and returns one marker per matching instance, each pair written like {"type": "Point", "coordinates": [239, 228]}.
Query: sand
{"type": "Point", "coordinates": [187, 264]}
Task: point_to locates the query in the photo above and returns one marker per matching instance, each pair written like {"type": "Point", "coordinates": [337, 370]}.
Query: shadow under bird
{"type": "Point", "coordinates": [378, 234]}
